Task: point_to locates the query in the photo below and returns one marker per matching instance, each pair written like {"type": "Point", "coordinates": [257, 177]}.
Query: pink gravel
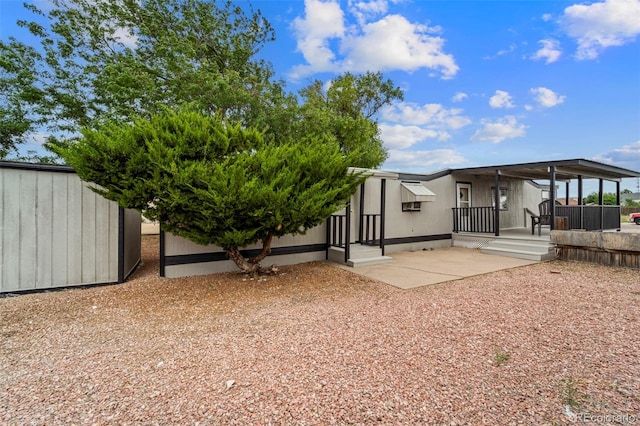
{"type": "Point", "coordinates": [551, 343]}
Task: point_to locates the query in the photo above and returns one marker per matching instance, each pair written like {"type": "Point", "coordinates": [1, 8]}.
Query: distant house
{"type": "Point", "coordinates": [634, 196]}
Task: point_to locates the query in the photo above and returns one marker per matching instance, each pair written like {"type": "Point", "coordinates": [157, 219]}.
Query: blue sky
{"type": "Point", "coordinates": [485, 82]}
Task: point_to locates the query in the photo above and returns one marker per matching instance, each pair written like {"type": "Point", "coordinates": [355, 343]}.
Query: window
{"type": "Point", "coordinates": [412, 206]}
{"type": "Point", "coordinates": [504, 203]}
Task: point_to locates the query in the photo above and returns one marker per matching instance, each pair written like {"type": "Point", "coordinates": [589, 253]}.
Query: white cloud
{"type": "Point", "coordinates": [601, 25]}
{"type": "Point", "coordinates": [501, 99]}
{"type": "Point", "coordinates": [434, 115]}
{"type": "Point", "coordinates": [511, 49]}
{"type": "Point", "coordinates": [627, 156]}
{"type": "Point", "coordinates": [500, 130]}
{"type": "Point", "coordinates": [398, 136]}
{"type": "Point", "coordinates": [390, 43]}
{"type": "Point", "coordinates": [37, 138]}
{"type": "Point", "coordinates": [459, 97]}
{"type": "Point", "coordinates": [405, 124]}
{"type": "Point", "coordinates": [546, 17]}
{"type": "Point", "coordinates": [550, 51]}
{"type": "Point", "coordinates": [126, 37]}
{"type": "Point", "coordinates": [421, 161]}
{"type": "Point", "coordinates": [367, 10]}
{"type": "Point", "coordinates": [323, 21]}
{"type": "Point", "coordinates": [546, 98]}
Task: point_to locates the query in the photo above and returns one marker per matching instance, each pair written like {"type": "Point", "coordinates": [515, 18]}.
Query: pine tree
{"type": "Point", "coordinates": [213, 182]}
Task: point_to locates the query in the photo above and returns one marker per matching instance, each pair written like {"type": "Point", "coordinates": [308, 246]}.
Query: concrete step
{"type": "Point", "coordinates": [521, 245]}
{"type": "Point", "coordinates": [357, 251]}
{"type": "Point", "coordinates": [521, 248]}
{"type": "Point", "coordinates": [366, 261]}
{"type": "Point", "coordinates": [519, 254]}
{"type": "Point", "coordinates": [359, 255]}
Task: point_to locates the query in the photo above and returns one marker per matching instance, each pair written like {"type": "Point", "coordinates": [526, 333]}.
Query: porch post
{"type": "Point", "coordinates": [617, 193]}
{"type": "Point", "coordinates": [163, 259]}
{"type": "Point", "coordinates": [552, 196]}
{"type": "Point", "coordinates": [496, 211]}
{"type": "Point", "coordinates": [601, 202]}
{"type": "Point", "coordinates": [567, 192]}
{"type": "Point", "coordinates": [600, 192]}
{"type": "Point", "coordinates": [580, 190]}
{"type": "Point", "coordinates": [347, 244]}
{"type": "Point", "coordinates": [383, 196]}
{"type": "Point", "coordinates": [580, 201]}
{"type": "Point", "coordinates": [361, 212]}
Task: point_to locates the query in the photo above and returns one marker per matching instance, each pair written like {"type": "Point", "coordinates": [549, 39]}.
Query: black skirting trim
{"type": "Point", "coordinates": [417, 239]}
{"type": "Point", "coordinates": [185, 259]}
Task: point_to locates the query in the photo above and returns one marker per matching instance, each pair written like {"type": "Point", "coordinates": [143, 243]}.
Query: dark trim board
{"type": "Point", "coordinates": [15, 293]}
{"type": "Point", "coordinates": [37, 167]}
{"type": "Point", "coordinates": [219, 256]}
{"type": "Point", "coordinates": [417, 239]}
{"type": "Point", "coordinates": [186, 259]}
{"type": "Point", "coordinates": [414, 239]}
{"type": "Point", "coordinates": [121, 238]}
{"type": "Point", "coordinates": [133, 268]}
{"type": "Point", "coordinates": [163, 258]}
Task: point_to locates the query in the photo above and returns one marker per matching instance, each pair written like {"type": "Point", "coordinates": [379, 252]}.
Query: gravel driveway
{"type": "Point", "coordinates": [317, 345]}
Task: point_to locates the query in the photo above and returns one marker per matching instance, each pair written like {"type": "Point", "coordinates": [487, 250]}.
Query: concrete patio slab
{"type": "Point", "coordinates": [415, 269]}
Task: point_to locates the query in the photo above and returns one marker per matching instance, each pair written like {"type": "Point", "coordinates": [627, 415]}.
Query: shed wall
{"type": "Point", "coordinates": [55, 232]}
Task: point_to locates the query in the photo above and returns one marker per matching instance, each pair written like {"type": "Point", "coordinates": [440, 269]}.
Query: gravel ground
{"type": "Point", "coordinates": [320, 345]}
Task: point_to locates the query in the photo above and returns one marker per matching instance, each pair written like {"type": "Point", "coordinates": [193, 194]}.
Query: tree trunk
{"type": "Point", "coordinates": [252, 266]}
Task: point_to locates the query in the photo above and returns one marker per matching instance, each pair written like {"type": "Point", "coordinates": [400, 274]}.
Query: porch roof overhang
{"type": "Point", "coordinates": [565, 170]}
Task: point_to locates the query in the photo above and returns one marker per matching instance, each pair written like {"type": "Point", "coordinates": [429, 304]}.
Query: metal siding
{"type": "Point", "coordinates": [44, 230]}
{"type": "Point", "coordinates": [88, 239]}
{"type": "Point", "coordinates": [132, 240]}
{"type": "Point", "coordinates": [28, 241]}
{"type": "Point", "coordinates": [101, 243]}
{"type": "Point", "coordinates": [55, 232]}
{"type": "Point", "coordinates": [60, 235]}
{"type": "Point", "coordinates": [11, 231]}
{"type": "Point", "coordinates": [74, 231]}
{"type": "Point", "coordinates": [113, 242]}
{"type": "Point", "coordinates": [179, 246]}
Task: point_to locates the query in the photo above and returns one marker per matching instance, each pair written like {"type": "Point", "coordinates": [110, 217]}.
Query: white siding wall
{"type": "Point", "coordinates": [520, 194]}
{"type": "Point", "coordinates": [54, 232]}
{"type": "Point", "coordinates": [175, 245]}
{"type": "Point", "coordinates": [434, 219]}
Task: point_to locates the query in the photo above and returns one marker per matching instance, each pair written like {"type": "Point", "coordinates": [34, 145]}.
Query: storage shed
{"type": "Point", "coordinates": [55, 232]}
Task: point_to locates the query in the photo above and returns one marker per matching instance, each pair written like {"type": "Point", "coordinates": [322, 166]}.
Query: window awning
{"type": "Point", "coordinates": [416, 192]}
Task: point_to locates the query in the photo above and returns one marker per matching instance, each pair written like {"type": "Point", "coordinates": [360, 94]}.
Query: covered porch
{"type": "Point", "coordinates": [600, 217]}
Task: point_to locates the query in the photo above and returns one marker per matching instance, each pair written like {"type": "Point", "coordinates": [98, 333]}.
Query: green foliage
{"type": "Point", "coordinates": [501, 356]}
{"type": "Point", "coordinates": [114, 60]}
{"type": "Point", "coordinates": [631, 203]}
{"type": "Point", "coordinates": [345, 112]}
{"type": "Point", "coordinates": [608, 199]}
{"type": "Point", "coordinates": [570, 393]}
{"type": "Point", "coordinates": [213, 182]}
{"type": "Point", "coordinates": [118, 59]}
{"type": "Point", "coordinates": [16, 63]}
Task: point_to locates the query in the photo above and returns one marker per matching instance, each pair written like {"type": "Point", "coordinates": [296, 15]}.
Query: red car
{"type": "Point", "coordinates": [635, 217]}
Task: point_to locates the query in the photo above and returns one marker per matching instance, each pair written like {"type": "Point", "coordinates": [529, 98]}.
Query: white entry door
{"type": "Point", "coordinates": [463, 198]}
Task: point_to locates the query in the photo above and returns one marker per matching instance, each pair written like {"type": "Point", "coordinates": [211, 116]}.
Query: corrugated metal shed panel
{"type": "Point", "coordinates": [55, 232]}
